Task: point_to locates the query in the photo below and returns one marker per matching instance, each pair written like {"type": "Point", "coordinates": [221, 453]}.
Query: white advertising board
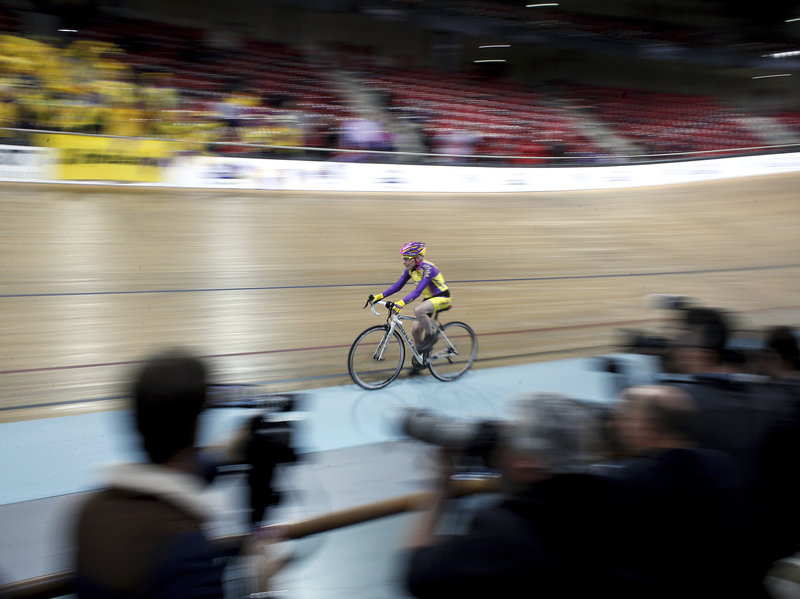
{"type": "Point", "coordinates": [302, 175]}
{"type": "Point", "coordinates": [33, 164]}
{"type": "Point", "coordinates": [25, 163]}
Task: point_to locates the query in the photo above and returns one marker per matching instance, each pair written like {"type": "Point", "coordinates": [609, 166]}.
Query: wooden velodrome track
{"type": "Point", "coordinates": [270, 285]}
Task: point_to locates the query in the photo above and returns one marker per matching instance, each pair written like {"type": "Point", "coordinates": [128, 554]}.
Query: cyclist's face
{"type": "Point", "coordinates": [409, 262]}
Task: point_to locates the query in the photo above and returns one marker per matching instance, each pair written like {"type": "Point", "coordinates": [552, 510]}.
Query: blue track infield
{"type": "Point", "coordinates": [67, 454]}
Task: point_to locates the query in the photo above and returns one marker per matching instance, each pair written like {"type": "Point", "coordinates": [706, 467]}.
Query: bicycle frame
{"type": "Point", "coordinates": [395, 324]}
{"type": "Point", "coordinates": [376, 356]}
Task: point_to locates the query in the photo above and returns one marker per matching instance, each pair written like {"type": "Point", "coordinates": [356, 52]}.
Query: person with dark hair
{"type": "Point", "coordinates": [745, 416]}
{"type": "Point", "coordinates": [777, 489]}
{"type": "Point", "coordinates": [780, 358]}
{"type": "Point", "coordinates": [143, 536]}
{"type": "Point", "coordinates": [547, 535]}
{"type": "Point", "coordinates": [700, 345]}
{"type": "Point", "coordinates": [734, 410]}
{"type": "Point", "coordinates": [169, 394]}
{"type": "Point", "coordinates": [679, 508]}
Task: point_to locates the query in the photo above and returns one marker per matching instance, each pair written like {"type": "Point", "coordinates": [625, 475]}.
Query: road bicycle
{"type": "Point", "coordinates": [377, 355]}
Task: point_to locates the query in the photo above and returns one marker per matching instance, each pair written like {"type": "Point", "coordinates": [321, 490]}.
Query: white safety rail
{"type": "Point", "coordinates": [23, 163]}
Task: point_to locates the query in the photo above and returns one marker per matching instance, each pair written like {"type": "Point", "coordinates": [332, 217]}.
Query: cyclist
{"type": "Point", "coordinates": [430, 284]}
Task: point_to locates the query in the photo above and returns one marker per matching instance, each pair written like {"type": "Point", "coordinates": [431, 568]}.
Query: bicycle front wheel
{"type": "Point", "coordinates": [376, 358]}
{"type": "Point", "coordinates": [454, 351]}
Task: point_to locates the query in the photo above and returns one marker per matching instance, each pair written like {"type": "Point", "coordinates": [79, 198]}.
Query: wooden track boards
{"type": "Point", "coordinates": [271, 284]}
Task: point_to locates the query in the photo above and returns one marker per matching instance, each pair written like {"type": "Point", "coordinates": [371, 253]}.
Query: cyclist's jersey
{"type": "Point", "coordinates": [430, 283]}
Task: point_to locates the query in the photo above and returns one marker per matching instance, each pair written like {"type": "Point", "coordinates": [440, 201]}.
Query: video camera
{"type": "Point", "coordinates": [270, 438]}
{"type": "Point", "coordinates": [473, 442]}
{"type": "Point", "coordinates": [478, 440]}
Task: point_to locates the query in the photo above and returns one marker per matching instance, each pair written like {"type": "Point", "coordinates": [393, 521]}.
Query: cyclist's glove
{"type": "Point", "coordinates": [397, 306]}
{"type": "Point", "coordinates": [373, 298]}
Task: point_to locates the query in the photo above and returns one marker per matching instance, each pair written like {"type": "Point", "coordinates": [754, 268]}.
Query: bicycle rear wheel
{"type": "Point", "coordinates": [454, 351]}
{"type": "Point", "coordinates": [376, 358]}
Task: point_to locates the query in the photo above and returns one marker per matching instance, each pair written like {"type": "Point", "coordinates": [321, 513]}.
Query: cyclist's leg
{"type": "Point", "coordinates": [417, 333]}
{"type": "Point", "coordinates": [423, 328]}
{"type": "Point", "coordinates": [432, 305]}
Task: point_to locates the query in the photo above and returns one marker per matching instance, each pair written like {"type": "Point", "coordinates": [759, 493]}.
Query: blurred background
{"type": "Point", "coordinates": [488, 82]}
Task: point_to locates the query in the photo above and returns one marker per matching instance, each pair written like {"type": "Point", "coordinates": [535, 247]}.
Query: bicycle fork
{"type": "Point", "coordinates": [381, 349]}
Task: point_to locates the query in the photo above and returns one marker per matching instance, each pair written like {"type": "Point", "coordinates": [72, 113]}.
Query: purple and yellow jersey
{"type": "Point", "coordinates": [429, 280]}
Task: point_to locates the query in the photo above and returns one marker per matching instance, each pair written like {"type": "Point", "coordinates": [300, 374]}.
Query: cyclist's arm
{"type": "Point", "coordinates": [427, 275]}
{"type": "Point", "coordinates": [398, 285]}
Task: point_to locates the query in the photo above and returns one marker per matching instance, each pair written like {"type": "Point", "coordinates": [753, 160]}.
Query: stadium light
{"type": "Point", "coordinates": [792, 20]}
{"type": "Point", "coordinates": [784, 54]}
{"type": "Point", "coordinates": [491, 60]}
{"type": "Point", "coordinates": [539, 5]}
{"type": "Point", "coordinates": [768, 76]}
{"type": "Point", "coordinates": [496, 46]}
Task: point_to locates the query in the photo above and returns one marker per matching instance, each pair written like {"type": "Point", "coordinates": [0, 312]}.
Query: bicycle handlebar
{"type": "Point", "coordinates": [382, 303]}
{"type": "Point", "coordinates": [389, 306]}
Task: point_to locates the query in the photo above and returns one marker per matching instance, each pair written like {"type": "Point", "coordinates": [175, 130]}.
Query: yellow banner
{"type": "Point", "coordinates": [108, 158]}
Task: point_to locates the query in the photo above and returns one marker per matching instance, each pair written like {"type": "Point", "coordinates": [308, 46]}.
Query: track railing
{"type": "Point", "coordinates": [62, 583]}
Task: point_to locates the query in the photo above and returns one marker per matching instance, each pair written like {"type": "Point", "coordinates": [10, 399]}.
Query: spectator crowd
{"type": "Point", "coordinates": [683, 489]}
{"type": "Point", "coordinates": [135, 78]}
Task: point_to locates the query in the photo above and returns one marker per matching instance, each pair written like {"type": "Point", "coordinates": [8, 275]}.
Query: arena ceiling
{"type": "Point", "coordinates": [747, 12]}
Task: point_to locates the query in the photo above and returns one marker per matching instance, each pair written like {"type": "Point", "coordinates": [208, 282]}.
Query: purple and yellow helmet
{"type": "Point", "coordinates": [413, 248]}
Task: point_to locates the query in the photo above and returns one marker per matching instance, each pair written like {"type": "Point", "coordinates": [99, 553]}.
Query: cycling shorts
{"type": "Point", "coordinates": [440, 302]}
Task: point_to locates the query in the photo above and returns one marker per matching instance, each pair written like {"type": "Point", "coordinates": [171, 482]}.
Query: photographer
{"type": "Point", "coordinates": [551, 522]}
{"type": "Point", "coordinates": [678, 515]}
{"type": "Point", "coordinates": [747, 417]}
{"type": "Point", "coordinates": [780, 356]}
{"type": "Point", "coordinates": [735, 411]}
{"type": "Point", "coordinates": [143, 535]}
